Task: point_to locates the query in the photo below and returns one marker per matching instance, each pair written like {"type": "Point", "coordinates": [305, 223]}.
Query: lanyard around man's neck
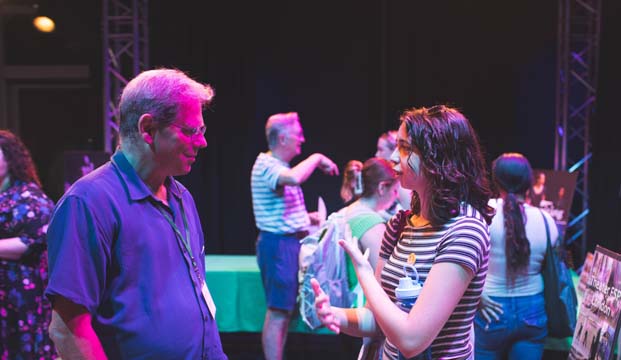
{"type": "Point", "coordinates": [185, 240]}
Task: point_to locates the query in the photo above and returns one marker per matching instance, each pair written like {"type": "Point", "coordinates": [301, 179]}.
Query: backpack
{"type": "Point", "coordinates": [322, 258]}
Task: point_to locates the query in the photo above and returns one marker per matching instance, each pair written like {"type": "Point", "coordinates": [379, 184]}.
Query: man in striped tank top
{"type": "Point", "coordinates": [445, 237]}
{"type": "Point", "coordinates": [281, 217]}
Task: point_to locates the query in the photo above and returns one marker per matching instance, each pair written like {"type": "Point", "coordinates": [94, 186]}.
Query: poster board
{"type": "Point", "coordinates": [597, 327]}
{"type": "Point", "coordinates": [553, 192]}
{"type": "Point", "coordinates": [585, 273]}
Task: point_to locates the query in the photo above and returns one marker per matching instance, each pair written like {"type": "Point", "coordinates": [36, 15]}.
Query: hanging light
{"type": "Point", "coordinates": [44, 24]}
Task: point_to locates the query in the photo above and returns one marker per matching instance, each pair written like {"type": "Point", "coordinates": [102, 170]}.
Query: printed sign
{"type": "Point", "coordinates": [598, 317]}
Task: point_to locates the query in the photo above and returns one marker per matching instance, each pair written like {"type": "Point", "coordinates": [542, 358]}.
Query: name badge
{"type": "Point", "coordinates": [209, 300]}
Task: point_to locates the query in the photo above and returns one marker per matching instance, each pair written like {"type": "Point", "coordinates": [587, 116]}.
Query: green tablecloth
{"type": "Point", "coordinates": [235, 284]}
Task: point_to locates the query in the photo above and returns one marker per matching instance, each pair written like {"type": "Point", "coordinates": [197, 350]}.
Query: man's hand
{"type": "Point", "coordinates": [323, 308]}
{"type": "Point", "coordinates": [328, 166]}
{"type": "Point", "coordinates": [72, 331]}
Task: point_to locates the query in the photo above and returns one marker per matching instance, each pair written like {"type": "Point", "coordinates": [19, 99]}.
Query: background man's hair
{"type": "Point", "coordinates": [277, 124]}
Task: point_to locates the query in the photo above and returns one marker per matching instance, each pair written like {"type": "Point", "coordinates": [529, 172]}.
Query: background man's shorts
{"type": "Point", "coordinates": [277, 256]}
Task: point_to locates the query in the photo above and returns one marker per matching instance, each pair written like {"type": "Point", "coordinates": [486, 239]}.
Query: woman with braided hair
{"type": "Point", "coordinates": [511, 322]}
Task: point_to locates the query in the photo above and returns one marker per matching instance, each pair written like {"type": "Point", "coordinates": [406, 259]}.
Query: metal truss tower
{"type": "Point", "coordinates": [125, 54]}
{"type": "Point", "coordinates": [579, 23]}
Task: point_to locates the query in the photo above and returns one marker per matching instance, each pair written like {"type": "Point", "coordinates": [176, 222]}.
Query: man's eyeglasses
{"type": "Point", "coordinates": [191, 132]}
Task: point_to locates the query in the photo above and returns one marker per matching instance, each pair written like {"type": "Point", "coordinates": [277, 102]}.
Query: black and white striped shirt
{"type": "Point", "coordinates": [463, 240]}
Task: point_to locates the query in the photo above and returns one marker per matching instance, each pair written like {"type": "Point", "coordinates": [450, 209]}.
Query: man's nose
{"type": "Point", "coordinates": [201, 141]}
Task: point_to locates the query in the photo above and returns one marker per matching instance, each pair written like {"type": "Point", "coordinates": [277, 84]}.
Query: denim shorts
{"type": "Point", "coordinates": [520, 332]}
{"type": "Point", "coordinates": [277, 256]}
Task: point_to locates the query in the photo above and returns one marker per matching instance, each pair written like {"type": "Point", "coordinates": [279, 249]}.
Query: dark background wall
{"type": "Point", "coordinates": [348, 68]}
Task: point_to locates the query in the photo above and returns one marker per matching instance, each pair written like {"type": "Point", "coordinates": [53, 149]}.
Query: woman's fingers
{"type": "Point", "coordinates": [322, 301]}
{"type": "Point", "coordinates": [323, 309]}
{"type": "Point", "coordinates": [334, 327]}
{"type": "Point", "coordinates": [316, 287]}
{"type": "Point", "coordinates": [351, 248]}
{"type": "Point", "coordinates": [348, 235]}
{"type": "Point", "coordinates": [494, 304]}
{"type": "Point", "coordinates": [489, 314]}
{"type": "Point", "coordinates": [485, 316]}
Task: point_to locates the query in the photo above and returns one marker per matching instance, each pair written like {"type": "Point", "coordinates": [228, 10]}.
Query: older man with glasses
{"type": "Point", "coordinates": [126, 248]}
{"type": "Point", "coordinates": [281, 217]}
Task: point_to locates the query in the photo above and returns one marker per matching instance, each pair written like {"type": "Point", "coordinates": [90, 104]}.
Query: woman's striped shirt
{"type": "Point", "coordinates": [463, 240]}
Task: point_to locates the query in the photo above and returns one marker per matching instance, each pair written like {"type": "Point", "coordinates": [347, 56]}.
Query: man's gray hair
{"type": "Point", "coordinates": [278, 124]}
{"type": "Point", "coordinates": [161, 93]}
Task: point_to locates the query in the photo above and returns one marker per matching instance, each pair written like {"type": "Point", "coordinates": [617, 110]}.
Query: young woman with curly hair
{"type": "Point", "coordinates": [512, 321]}
{"type": "Point", "coordinates": [24, 214]}
{"type": "Point", "coordinates": [445, 237]}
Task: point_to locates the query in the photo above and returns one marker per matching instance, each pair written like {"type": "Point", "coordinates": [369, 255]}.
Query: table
{"type": "Point", "coordinates": [235, 284]}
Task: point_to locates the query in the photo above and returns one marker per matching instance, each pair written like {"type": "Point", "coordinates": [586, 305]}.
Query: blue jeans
{"type": "Point", "coordinates": [520, 333]}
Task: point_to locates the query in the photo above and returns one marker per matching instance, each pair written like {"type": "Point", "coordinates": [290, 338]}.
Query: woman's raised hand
{"type": "Point", "coordinates": [352, 248]}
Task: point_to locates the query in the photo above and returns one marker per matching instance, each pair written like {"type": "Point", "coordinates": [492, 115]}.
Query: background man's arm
{"type": "Point", "coordinates": [302, 171]}
{"type": "Point", "coordinates": [72, 332]}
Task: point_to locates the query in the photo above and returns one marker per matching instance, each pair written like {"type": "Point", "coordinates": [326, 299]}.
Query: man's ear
{"type": "Point", "coordinates": [382, 187]}
{"type": "Point", "coordinates": [282, 138]}
{"type": "Point", "coordinates": [146, 128]}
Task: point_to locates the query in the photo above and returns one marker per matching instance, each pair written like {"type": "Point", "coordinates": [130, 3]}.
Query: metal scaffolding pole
{"type": "Point", "coordinates": [579, 23]}
{"type": "Point", "coordinates": [125, 54]}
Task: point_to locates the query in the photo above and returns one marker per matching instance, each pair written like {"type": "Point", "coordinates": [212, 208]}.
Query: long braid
{"type": "Point", "coordinates": [517, 246]}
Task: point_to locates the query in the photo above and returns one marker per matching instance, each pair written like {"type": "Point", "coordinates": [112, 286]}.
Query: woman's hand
{"type": "Point", "coordinates": [323, 308]}
{"type": "Point", "coordinates": [490, 308]}
{"type": "Point", "coordinates": [358, 259]}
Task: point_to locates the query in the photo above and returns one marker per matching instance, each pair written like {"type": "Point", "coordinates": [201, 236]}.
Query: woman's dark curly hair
{"type": "Point", "coordinates": [513, 175]}
{"type": "Point", "coordinates": [18, 159]}
{"type": "Point", "coordinates": [451, 161]}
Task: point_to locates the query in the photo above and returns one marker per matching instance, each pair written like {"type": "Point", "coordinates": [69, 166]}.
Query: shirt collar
{"type": "Point", "coordinates": [136, 188]}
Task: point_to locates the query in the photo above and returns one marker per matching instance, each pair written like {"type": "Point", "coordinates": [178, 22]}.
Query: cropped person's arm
{"type": "Point", "coordinates": [31, 227]}
{"type": "Point", "coordinates": [12, 248]}
{"type": "Point", "coordinates": [72, 332]}
{"type": "Point", "coordinates": [413, 332]}
{"type": "Point", "coordinates": [303, 170]}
